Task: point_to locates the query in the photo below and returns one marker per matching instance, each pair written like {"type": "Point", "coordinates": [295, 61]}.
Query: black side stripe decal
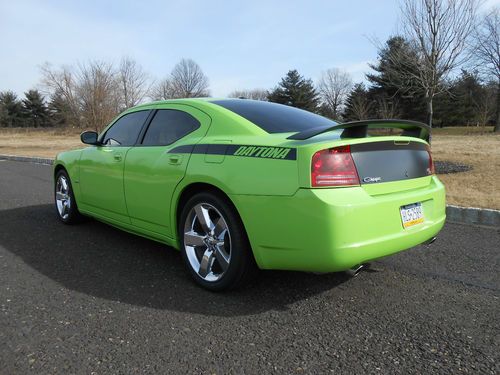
{"type": "Point", "coordinates": [184, 149]}
{"type": "Point", "coordinates": [265, 152]}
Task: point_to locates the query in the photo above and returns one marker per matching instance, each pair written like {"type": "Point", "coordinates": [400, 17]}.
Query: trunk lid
{"type": "Point", "coordinates": [384, 164]}
{"type": "Point", "coordinates": [387, 161]}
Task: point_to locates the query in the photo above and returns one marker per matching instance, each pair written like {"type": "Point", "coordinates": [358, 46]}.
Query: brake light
{"type": "Point", "coordinates": [430, 169]}
{"type": "Point", "coordinates": [334, 167]}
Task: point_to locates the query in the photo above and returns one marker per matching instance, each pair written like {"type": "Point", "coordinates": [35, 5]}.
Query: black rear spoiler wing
{"type": "Point", "coordinates": [359, 129]}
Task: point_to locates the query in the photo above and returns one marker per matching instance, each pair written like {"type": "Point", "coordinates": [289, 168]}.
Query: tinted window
{"type": "Point", "coordinates": [125, 130]}
{"type": "Point", "coordinates": [168, 126]}
{"type": "Point", "coordinates": [273, 117]}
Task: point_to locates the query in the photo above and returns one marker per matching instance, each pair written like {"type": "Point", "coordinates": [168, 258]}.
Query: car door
{"type": "Point", "coordinates": [152, 171]}
{"type": "Point", "coordinates": [101, 167]}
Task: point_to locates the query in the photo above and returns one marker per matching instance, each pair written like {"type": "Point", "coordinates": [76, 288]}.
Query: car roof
{"type": "Point", "coordinates": [266, 116]}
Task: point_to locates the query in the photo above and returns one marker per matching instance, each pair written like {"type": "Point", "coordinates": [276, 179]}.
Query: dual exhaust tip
{"type": "Point", "coordinates": [430, 241]}
{"type": "Point", "coordinates": [354, 271]}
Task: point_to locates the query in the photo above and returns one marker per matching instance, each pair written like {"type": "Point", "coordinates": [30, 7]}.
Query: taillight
{"type": "Point", "coordinates": [333, 167]}
{"type": "Point", "coordinates": [430, 169]}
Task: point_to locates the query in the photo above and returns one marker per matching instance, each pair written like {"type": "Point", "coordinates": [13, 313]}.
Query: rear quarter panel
{"type": "Point", "coordinates": [239, 174]}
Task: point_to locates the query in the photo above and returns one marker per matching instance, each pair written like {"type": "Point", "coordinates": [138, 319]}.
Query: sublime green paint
{"type": "Point", "coordinates": [290, 225]}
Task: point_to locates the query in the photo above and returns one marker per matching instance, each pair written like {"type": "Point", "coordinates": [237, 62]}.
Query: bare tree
{"type": "Point", "coordinates": [95, 92]}
{"type": "Point", "coordinates": [133, 83]}
{"type": "Point", "coordinates": [438, 31]}
{"type": "Point", "coordinates": [98, 93]}
{"type": "Point", "coordinates": [162, 90]}
{"type": "Point", "coordinates": [63, 82]}
{"type": "Point", "coordinates": [360, 108]}
{"type": "Point", "coordinates": [188, 80]}
{"type": "Point", "coordinates": [334, 87]}
{"type": "Point", "coordinates": [484, 104]}
{"type": "Point", "coordinates": [487, 52]}
{"type": "Point", "coordinates": [255, 94]}
{"type": "Point", "coordinates": [388, 108]}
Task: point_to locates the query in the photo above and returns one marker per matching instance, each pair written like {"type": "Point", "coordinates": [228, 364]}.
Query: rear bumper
{"type": "Point", "coordinates": [328, 230]}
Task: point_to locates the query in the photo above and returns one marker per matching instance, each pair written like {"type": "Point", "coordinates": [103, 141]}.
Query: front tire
{"type": "Point", "coordinates": [64, 199]}
{"type": "Point", "coordinates": [214, 243]}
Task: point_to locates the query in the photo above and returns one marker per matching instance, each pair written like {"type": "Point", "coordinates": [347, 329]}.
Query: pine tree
{"type": "Point", "coordinates": [59, 110]}
{"type": "Point", "coordinates": [468, 101]}
{"type": "Point", "coordinates": [467, 89]}
{"type": "Point", "coordinates": [296, 91]}
{"type": "Point", "coordinates": [446, 108]}
{"type": "Point", "coordinates": [387, 83]}
{"type": "Point", "coordinates": [11, 110]}
{"type": "Point", "coordinates": [4, 115]}
{"type": "Point", "coordinates": [358, 104]}
{"type": "Point", "coordinates": [35, 110]}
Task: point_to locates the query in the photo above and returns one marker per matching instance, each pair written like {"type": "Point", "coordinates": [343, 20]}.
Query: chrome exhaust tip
{"type": "Point", "coordinates": [354, 271]}
{"type": "Point", "coordinates": [430, 241]}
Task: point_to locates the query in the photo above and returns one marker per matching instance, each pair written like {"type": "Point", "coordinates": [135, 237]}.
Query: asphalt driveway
{"type": "Point", "coordinates": [93, 299]}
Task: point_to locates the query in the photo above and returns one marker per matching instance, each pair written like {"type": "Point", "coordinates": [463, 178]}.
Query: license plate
{"type": "Point", "coordinates": [412, 214]}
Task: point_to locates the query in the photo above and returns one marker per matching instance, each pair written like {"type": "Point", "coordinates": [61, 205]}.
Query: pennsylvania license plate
{"type": "Point", "coordinates": [412, 214]}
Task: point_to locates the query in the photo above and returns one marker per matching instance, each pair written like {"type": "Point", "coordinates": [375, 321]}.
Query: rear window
{"type": "Point", "coordinates": [168, 126]}
{"type": "Point", "coordinates": [273, 117]}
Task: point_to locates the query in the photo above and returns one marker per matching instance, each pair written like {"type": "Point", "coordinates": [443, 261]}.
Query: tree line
{"type": "Point", "coordinates": [90, 95]}
{"type": "Point", "coordinates": [414, 77]}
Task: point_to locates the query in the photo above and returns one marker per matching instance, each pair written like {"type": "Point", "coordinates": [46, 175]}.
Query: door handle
{"type": "Point", "coordinates": [175, 159]}
{"type": "Point", "coordinates": [117, 157]}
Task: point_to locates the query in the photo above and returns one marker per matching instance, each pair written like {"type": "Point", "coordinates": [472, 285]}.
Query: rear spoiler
{"type": "Point", "coordinates": [359, 129]}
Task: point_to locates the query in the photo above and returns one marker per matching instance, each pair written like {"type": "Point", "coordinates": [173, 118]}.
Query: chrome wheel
{"type": "Point", "coordinates": [63, 198]}
{"type": "Point", "coordinates": [207, 242]}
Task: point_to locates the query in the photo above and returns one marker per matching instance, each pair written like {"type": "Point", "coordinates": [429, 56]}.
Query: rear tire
{"type": "Point", "coordinates": [64, 199]}
{"type": "Point", "coordinates": [214, 244]}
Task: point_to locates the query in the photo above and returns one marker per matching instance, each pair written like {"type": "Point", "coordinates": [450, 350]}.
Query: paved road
{"type": "Point", "coordinates": [91, 299]}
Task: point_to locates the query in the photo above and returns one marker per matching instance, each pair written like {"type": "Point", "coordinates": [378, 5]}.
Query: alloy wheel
{"type": "Point", "coordinates": [63, 197]}
{"type": "Point", "coordinates": [207, 242]}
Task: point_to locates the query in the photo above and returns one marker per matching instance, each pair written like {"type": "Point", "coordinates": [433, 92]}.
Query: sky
{"type": "Point", "coordinates": [238, 44]}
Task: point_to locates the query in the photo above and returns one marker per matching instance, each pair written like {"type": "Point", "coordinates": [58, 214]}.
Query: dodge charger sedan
{"type": "Point", "coordinates": [238, 185]}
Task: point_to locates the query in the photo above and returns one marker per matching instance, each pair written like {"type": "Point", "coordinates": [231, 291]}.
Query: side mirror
{"type": "Point", "coordinates": [89, 138]}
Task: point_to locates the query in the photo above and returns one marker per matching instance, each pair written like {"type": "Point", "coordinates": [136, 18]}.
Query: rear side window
{"type": "Point", "coordinates": [168, 126]}
{"type": "Point", "coordinates": [126, 129]}
{"type": "Point", "coordinates": [273, 117]}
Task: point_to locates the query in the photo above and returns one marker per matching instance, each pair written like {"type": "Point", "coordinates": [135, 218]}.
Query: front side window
{"type": "Point", "coordinates": [125, 130]}
{"type": "Point", "coordinates": [168, 126]}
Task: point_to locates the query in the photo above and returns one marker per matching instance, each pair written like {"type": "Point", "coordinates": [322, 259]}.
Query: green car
{"type": "Point", "coordinates": [239, 185]}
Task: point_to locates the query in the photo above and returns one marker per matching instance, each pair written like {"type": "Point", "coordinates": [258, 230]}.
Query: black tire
{"type": "Point", "coordinates": [71, 215]}
{"type": "Point", "coordinates": [241, 266]}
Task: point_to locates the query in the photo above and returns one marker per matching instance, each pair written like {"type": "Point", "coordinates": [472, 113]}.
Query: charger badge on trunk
{"type": "Point", "coordinates": [372, 179]}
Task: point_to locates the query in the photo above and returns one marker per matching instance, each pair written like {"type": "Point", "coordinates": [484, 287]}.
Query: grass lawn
{"type": "Point", "coordinates": [478, 147]}
{"type": "Point", "coordinates": [479, 187]}
{"type": "Point", "coordinates": [38, 142]}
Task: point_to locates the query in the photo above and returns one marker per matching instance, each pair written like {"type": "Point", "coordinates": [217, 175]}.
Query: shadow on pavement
{"type": "Point", "coordinates": [101, 261]}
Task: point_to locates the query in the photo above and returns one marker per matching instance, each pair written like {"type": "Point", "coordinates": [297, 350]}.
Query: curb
{"type": "Point", "coordinates": [46, 161]}
{"type": "Point", "coordinates": [454, 214]}
{"type": "Point", "coordinates": [472, 215]}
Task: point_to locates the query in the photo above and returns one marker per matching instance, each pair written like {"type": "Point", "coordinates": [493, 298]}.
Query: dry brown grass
{"type": "Point", "coordinates": [38, 142]}
{"type": "Point", "coordinates": [477, 147]}
{"type": "Point", "coordinates": [479, 187]}
{"type": "Point", "coordinates": [464, 130]}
